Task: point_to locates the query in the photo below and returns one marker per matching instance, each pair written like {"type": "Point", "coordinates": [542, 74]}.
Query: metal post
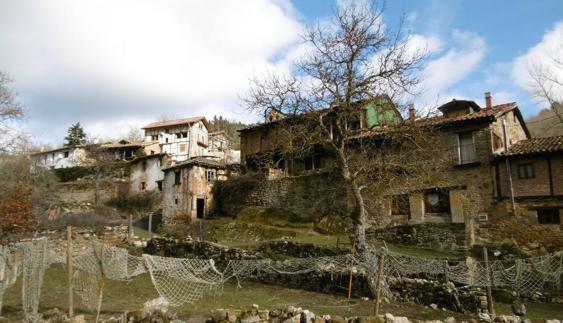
{"type": "Point", "coordinates": [378, 284]}
{"type": "Point", "coordinates": [130, 225]}
{"type": "Point", "coordinates": [490, 306]}
{"type": "Point", "coordinates": [150, 225]}
{"type": "Point", "coordinates": [69, 270]}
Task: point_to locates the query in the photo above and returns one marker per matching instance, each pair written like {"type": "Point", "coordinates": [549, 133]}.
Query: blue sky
{"type": "Point", "coordinates": [119, 65]}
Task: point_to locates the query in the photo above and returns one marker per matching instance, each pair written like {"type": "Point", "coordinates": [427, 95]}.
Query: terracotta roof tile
{"type": "Point", "coordinates": [536, 146]}
{"type": "Point", "coordinates": [483, 113]}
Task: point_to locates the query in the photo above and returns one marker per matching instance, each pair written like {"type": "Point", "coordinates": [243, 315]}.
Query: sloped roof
{"type": "Point", "coordinates": [481, 114]}
{"type": "Point", "coordinates": [176, 122]}
{"type": "Point", "coordinates": [534, 146]}
{"type": "Point", "coordinates": [198, 161]}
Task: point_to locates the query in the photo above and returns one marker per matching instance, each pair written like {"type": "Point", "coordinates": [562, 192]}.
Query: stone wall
{"type": "Point", "coordinates": [436, 236]}
{"type": "Point", "coordinates": [310, 197]}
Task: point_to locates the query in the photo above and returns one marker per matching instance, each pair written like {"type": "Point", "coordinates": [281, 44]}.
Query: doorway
{"type": "Point", "coordinates": [200, 207]}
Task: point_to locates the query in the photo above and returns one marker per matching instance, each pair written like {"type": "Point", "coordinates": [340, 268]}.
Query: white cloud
{"type": "Point", "coordinates": [543, 54]}
{"type": "Point", "coordinates": [451, 61]}
{"type": "Point", "coordinates": [458, 62]}
{"type": "Point", "coordinates": [134, 60]}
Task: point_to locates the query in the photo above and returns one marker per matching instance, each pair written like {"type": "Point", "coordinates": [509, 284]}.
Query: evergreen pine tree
{"type": "Point", "coordinates": [76, 135]}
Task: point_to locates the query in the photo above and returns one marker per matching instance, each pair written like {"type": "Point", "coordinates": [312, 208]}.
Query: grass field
{"type": "Point", "coordinates": [121, 296]}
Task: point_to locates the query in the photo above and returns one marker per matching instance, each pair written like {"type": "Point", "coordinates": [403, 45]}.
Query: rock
{"type": "Point", "coordinates": [337, 319]}
{"type": "Point", "coordinates": [157, 304]}
{"type": "Point", "coordinates": [78, 319]}
{"type": "Point", "coordinates": [307, 316]}
{"type": "Point", "coordinates": [450, 320]}
{"type": "Point", "coordinates": [401, 319]}
{"type": "Point", "coordinates": [389, 318]}
{"type": "Point", "coordinates": [319, 319]}
{"type": "Point", "coordinates": [293, 319]}
{"type": "Point", "coordinates": [484, 317]}
{"type": "Point", "coordinates": [219, 315]}
{"type": "Point", "coordinates": [231, 316]}
{"type": "Point", "coordinates": [50, 313]}
{"type": "Point", "coordinates": [250, 319]}
{"type": "Point", "coordinates": [369, 319]}
{"type": "Point", "coordinates": [434, 306]}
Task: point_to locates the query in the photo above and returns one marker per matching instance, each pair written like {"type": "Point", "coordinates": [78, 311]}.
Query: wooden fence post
{"type": "Point", "coordinates": [378, 284]}
{"type": "Point", "coordinates": [69, 270]}
{"type": "Point", "coordinates": [130, 227]}
{"type": "Point", "coordinates": [351, 272]}
{"type": "Point", "coordinates": [490, 306]}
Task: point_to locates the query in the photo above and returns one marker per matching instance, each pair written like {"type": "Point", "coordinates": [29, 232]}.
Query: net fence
{"type": "Point", "coordinates": [185, 280]}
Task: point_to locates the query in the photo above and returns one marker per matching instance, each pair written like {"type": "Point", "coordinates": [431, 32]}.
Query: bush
{"type": "Point", "coordinates": [233, 191]}
{"type": "Point", "coordinates": [272, 216]}
{"type": "Point", "coordinates": [73, 173]}
{"type": "Point", "coordinates": [135, 203]}
{"type": "Point", "coordinates": [333, 224]}
{"type": "Point", "coordinates": [95, 219]}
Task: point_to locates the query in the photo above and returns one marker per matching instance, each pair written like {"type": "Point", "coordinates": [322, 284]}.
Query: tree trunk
{"type": "Point", "coordinates": [358, 212]}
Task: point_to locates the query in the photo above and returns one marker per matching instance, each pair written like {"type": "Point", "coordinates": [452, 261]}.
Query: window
{"type": "Point", "coordinates": [182, 148]}
{"type": "Point", "coordinates": [211, 175]}
{"type": "Point", "coordinates": [354, 122]}
{"type": "Point", "coordinates": [66, 154]}
{"type": "Point", "coordinates": [436, 201]}
{"type": "Point", "coordinates": [185, 134]}
{"type": "Point", "coordinates": [167, 131]}
{"type": "Point", "coordinates": [154, 137]}
{"type": "Point", "coordinates": [166, 140]}
{"type": "Point", "coordinates": [548, 216]}
{"type": "Point", "coordinates": [176, 201]}
{"type": "Point", "coordinates": [152, 152]}
{"type": "Point", "coordinates": [159, 186]}
{"type": "Point", "coordinates": [177, 177]}
{"type": "Point", "coordinates": [525, 171]}
{"type": "Point", "coordinates": [400, 205]}
{"type": "Point", "coordinates": [313, 162]}
{"type": "Point", "coordinates": [178, 135]}
{"type": "Point", "coordinates": [497, 142]}
{"type": "Point", "coordinates": [143, 186]}
{"type": "Point", "coordinates": [466, 148]}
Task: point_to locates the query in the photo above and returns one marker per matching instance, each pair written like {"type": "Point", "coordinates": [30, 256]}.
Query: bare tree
{"type": "Point", "coordinates": [547, 83]}
{"type": "Point", "coordinates": [352, 61]}
{"type": "Point", "coordinates": [10, 110]}
{"type": "Point", "coordinates": [134, 134]}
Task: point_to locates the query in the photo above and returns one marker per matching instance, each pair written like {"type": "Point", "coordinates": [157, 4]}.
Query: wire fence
{"type": "Point", "coordinates": [186, 280]}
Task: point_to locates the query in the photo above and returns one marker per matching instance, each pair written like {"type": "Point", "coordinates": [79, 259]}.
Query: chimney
{"type": "Point", "coordinates": [412, 112]}
{"type": "Point", "coordinates": [488, 100]}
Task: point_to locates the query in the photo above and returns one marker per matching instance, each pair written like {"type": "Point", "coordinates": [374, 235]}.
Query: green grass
{"type": "Point", "coordinates": [121, 296]}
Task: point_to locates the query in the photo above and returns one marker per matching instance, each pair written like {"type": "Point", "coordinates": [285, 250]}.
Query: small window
{"type": "Point", "coordinates": [143, 186]}
{"type": "Point", "coordinates": [159, 186]}
{"type": "Point", "coordinates": [176, 201]}
{"type": "Point", "coordinates": [548, 216]}
{"type": "Point", "coordinates": [154, 137]}
{"type": "Point", "coordinates": [177, 177]}
{"type": "Point", "coordinates": [185, 134]}
{"type": "Point", "coordinates": [178, 135]}
{"type": "Point", "coordinates": [152, 152]}
{"type": "Point", "coordinates": [211, 175]}
{"type": "Point", "coordinates": [466, 148]}
{"type": "Point", "coordinates": [66, 154]}
{"type": "Point", "coordinates": [167, 131]}
{"type": "Point", "coordinates": [437, 201]}
{"type": "Point", "coordinates": [525, 171]}
{"type": "Point", "coordinates": [166, 140]}
{"type": "Point", "coordinates": [400, 205]}
{"type": "Point", "coordinates": [313, 162]}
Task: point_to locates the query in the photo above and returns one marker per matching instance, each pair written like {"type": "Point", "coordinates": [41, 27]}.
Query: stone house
{"type": "Point", "coordinates": [146, 173]}
{"type": "Point", "coordinates": [79, 155]}
{"type": "Point", "coordinates": [187, 188]}
{"type": "Point", "coordinates": [64, 157]}
{"type": "Point", "coordinates": [473, 194]}
{"type": "Point", "coordinates": [221, 148]}
{"type": "Point", "coordinates": [182, 139]}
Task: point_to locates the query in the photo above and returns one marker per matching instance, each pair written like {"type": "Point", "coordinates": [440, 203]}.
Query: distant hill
{"type": "Point", "coordinates": [219, 123]}
{"type": "Point", "coordinates": [546, 123]}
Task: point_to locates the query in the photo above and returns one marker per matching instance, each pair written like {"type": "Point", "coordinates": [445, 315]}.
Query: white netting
{"type": "Point", "coordinates": [182, 281]}
{"type": "Point", "coordinates": [35, 262]}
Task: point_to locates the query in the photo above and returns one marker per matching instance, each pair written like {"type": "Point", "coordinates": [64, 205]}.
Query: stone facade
{"type": "Point", "coordinates": [469, 192]}
{"type": "Point", "coordinates": [146, 173]}
{"type": "Point", "coordinates": [187, 189]}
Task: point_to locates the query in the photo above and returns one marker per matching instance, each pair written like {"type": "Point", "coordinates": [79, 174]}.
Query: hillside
{"type": "Point", "coordinates": [546, 123]}
{"type": "Point", "coordinates": [218, 123]}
